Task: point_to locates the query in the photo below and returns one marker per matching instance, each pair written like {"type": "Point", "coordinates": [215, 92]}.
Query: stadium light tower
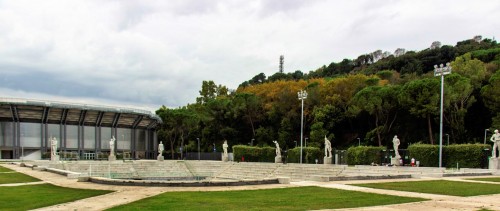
{"type": "Point", "coordinates": [485, 131]}
{"type": "Point", "coordinates": [441, 71]}
{"type": "Point", "coordinates": [302, 94]}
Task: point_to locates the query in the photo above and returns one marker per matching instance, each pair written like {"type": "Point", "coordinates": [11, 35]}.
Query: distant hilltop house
{"type": "Point", "coordinates": [399, 52]}
{"type": "Point", "coordinates": [437, 44]}
{"type": "Point", "coordinates": [478, 38]}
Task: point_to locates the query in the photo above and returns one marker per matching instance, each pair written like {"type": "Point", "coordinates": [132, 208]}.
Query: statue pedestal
{"type": "Point", "coordinates": [493, 164]}
{"type": "Point", "coordinates": [277, 159]}
{"type": "Point", "coordinates": [160, 158]}
{"type": "Point", "coordinates": [396, 161]}
{"type": "Point", "coordinates": [225, 158]}
{"type": "Point", "coordinates": [112, 158]}
{"type": "Point", "coordinates": [55, 158]}
{"type": "Point", "coordinates": [327, 160]}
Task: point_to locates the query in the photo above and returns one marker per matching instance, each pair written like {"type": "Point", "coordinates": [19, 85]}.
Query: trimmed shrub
{"type": "Point", "coordinates": [254, 154]}
{"type": "Point", "coordinates": [466, 155]}
{"type": "Point", "coordinates": [309, 155]}
{"type": "Point", "coordinates": [426, 154]}
{"type": "Point", "coordinates": [363, 155]}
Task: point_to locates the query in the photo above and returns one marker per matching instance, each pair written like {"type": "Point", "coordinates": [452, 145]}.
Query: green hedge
{"type": "Point", "coordinates": [309, 155]}
{"type": "Point", "coordinates": [466, 155]}
{"type": "Point", "coordinates": [254, 154]}
{"type": "Point", "coordinates": [364, 155]}
{"type": "Point", "coordinates": [426, 154]}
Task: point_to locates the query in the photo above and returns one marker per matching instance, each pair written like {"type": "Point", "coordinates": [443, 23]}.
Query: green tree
{"type": "Point", "coordinates": [421, 99]}
{"type": "Point", "coordinates": [459, 98]}
{"type": "Point", "coordinates": [249, 107]}
{"type": "Point", "coordinates": [210, 91]}
{"type": "Point", "coordinates": [491, 98]}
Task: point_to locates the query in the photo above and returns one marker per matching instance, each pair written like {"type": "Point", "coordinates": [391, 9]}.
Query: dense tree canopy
{"type": "Point", "coordinates": [372, 97]}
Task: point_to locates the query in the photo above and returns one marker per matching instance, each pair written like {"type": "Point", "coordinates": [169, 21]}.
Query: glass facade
{"type": "Point", "coordinates": [140, 140]}
{"type": "Point", "coordinates": [6, 134]}
{"type": "Point", "coordinates": [89, 138]}
{"type": "Point", "coordinates": [27, 127]}
{"type": "Point", "coordinates": [71, 137]}
{"type": "Point", "coordinates": [31, 134]}
{"type": "Point", "coordinates": [105, 137]}
{"type": "Point", "coordinates": [124, 139]}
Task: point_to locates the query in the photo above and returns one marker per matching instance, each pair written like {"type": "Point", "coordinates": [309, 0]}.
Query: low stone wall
{"type": "Point", "coordinates": [160, 183]}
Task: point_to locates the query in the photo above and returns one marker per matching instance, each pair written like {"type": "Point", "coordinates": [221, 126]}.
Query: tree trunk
{"type": "Point", "coordinates": [378, 131]}
{"type": "Point", "coordinates": [429, 126]}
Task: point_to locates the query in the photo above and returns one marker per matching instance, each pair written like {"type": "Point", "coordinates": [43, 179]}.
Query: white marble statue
{"type": "Point", "coordinates": [112, 146]}
{"type": "Point", "coordinates": [328, 148]}
{"type": "Point", "coordinates": [278, 149]}
{"type": "Point", "coordinates": [495, 138]}
{"type": "Point", "coordinates": [396, 142]}
{"type": "Point", "coordinates": [224, 148]}
{"type": "Point", "coordinates": [160, 148]}
{"type": "Point", "coordinates": [53, 145]}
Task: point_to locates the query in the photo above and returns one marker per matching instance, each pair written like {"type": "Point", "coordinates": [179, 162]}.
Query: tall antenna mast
{"type": "Point", "coordinates": [282, 58]}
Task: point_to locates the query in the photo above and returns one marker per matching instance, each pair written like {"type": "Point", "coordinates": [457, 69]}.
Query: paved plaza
{"type": "Point", "coordinates": [127, 194]}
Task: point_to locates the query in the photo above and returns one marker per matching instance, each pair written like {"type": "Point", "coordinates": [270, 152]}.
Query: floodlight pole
{"type": "Point", "coordinates": [198, 148]}
{"type": "Point", "coordinates": [441, 71]}
{"type": "Point", "coordinates": [485, 131]}
{"type": "Point", "coordinates": [302, 94]}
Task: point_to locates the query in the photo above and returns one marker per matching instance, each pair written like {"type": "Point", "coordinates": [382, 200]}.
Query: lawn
{"type": "Point", "coordinates": [28, 197]}
{"type": "Point", "coordinates": [488, 179]}
{"type": "Point", "coordinates": [7, 177]}
{"type": "Point", "coordinates": [3, 169]}
{"type": "Point", "coordinates": [297, 198]}
{"type": "Point", "coordinates": [442, 187]}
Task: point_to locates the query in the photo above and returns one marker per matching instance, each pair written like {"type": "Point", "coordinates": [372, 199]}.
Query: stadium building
{"type": "Point", "coordinates": [83, 131]}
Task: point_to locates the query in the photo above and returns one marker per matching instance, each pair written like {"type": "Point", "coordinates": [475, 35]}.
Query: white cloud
{"type": "Point", "coordinates": [158, 52]}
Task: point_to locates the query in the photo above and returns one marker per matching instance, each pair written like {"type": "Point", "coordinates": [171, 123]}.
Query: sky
{"type": "Point", "coordinates": [145, 54]}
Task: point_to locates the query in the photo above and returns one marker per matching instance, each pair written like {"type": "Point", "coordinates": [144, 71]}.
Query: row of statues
{"type": "Point", "coordinates": [328, 146]}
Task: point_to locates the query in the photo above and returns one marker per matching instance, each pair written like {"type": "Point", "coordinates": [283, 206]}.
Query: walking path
{"type": "Point", "coordinates": [127, 194]}
{"type": "Point", "coordinates": [22, 183]}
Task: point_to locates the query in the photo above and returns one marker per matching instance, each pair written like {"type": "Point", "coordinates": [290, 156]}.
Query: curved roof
{"type": "Point", "coordinates": [29, 110]}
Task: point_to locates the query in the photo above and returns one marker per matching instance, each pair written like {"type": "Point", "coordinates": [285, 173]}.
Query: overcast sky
{"type": "Point", "coordinates": [153, 53]}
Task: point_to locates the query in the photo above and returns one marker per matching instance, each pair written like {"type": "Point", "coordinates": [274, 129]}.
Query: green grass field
{"type": "Point", "coordinates": [299, 198]}
{"type": "Point", "coordinates": [3, 169]}
{"type": "Point", "coordinates": [7, 177]}
{"type": "Point", "coordinates": [489, 179]}
{"type": "Point", "coordinates": [442, 187]}
{"type": "Point", "coordinates": [27, 197]}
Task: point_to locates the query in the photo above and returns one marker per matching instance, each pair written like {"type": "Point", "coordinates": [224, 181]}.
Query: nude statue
{"type": "Point", "coordinates": [53, 144]}
{"type": "Point", "coordinates": [224, 148]}
{"type": "Point", "coordinates": [278, 149]}
{"type": "Point", "coordinates": [160, 148]}
{"type": "Point", "coordinates": [495, 138]}
{"type": "Point", "coordinates": [112, 146]}
{"type": "Point", "coordinates": [396, 142]}
{"type": "Point", "coordinates": [328, 148]}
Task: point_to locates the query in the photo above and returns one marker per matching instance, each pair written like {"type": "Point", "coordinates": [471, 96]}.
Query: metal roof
{"type": "Point", "coordinates": [29, 110]}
